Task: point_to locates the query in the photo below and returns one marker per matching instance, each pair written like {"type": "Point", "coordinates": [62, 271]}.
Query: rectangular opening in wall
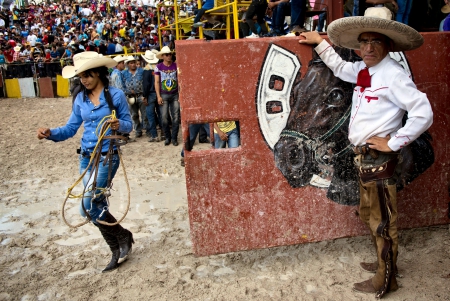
{"type": "Point", "coordinates": [219, 135]}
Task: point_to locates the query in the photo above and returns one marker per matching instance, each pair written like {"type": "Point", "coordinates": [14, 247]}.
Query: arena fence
{"type": "Point", "coordinates": [19, 80]}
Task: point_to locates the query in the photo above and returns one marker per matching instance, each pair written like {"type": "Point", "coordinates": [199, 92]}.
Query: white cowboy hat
{"type": "Point", "coordinates": [120, 58]}
{"type": "Point", "coordinates": [87, 60]}
{"type": "Point", "coordinates": [164, 50]}
{"type": "Point", "coordinates": [154, 51]}
{"type": "Point", "coordinates": [446, 8]}
{"type": "Point", "coordinates": [17, 48]}
{"type": "Point", "coordinates": [344, 32]}
{"type": "Point", "coordinates": [149, 57]}
{"type": "Point", "coordinates": [182, 13]}
{"type": "Point", "coordinates": [130, 58]}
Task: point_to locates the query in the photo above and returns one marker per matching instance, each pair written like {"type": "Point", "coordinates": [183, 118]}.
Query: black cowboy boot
{"type": "Point", "coordinates": [126, 240]}
{"type": "Point", "coordinates": [123, 236]}
{"type": "Point", "coordinates": [113, 244]}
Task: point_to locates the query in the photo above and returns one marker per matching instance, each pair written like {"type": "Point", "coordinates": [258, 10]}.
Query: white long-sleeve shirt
{"type": "Point", "coordinates": [378, 110]}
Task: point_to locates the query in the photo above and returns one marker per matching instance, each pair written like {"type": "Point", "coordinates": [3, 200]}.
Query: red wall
{"type": "Point", "coordinates": [239, 200]}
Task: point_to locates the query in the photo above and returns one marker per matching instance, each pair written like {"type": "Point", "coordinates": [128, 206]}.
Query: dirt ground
{"type": "Point", "coordinates": [43, 259]}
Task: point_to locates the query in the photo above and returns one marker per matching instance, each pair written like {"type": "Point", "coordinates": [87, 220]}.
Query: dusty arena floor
{"type": "Point", "coordinates": [43, 259]}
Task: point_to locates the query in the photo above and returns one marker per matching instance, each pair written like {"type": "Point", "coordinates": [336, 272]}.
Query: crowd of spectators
{"type": "Point", "coordinates": [50, 32]}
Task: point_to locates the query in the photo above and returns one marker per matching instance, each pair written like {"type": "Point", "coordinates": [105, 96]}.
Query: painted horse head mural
{"type": "Point", "coordinates": [311, 147]}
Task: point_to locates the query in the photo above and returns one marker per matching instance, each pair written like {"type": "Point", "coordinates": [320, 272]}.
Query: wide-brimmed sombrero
{"type": "Point", "coordinates": [149, 57]}
{"type": "Point", "coordinates": [87, 60]}
{"type": "Point", "coordinates": [164, 50]}
{"type": "Point", "coordinates": [120, 58]}
{"type": "Point", "coordinates": [344, 32]}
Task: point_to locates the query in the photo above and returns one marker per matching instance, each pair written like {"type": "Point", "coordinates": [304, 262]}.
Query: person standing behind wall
{"type": "Point", "coordinates": [149, 94]}
{"type": "Point", "coordinates": [166, 86]}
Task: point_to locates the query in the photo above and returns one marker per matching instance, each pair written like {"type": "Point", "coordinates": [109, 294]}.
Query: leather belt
{"type": "Point", "coordinates": [88, 155]}
{"type": "Point", "coordinates": [365, 149]}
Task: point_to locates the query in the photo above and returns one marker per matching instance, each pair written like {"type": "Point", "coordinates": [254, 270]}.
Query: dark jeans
{"type": "Point", "coordinates": [151, 115]}
{"type": "Point", "coordinates": [194, 130]}
{"type": "Point", "coordinates": [199, 15]}
{"type": "Point", "coordinates": [279, 14]}
{"type": "Point", "coordinates": [170, 102]}
{"type": "Point", "coordinates": [298, 11]}
{"type": "Point", "coordinates": [258, 8]}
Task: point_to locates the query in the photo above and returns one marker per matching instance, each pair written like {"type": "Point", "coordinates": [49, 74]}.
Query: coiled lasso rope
{"type": "Point", "coordinates": [101, 130]}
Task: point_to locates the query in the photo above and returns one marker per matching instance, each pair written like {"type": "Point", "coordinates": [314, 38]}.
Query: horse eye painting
{"type": "Point", "coordinates": [304, 121]}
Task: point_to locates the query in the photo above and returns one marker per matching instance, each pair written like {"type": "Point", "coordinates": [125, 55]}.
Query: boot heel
{"type": "Point", "coordinates": [126, 242]}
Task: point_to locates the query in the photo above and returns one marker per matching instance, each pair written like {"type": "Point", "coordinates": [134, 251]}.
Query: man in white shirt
{"type": "Point", "coordinates": [32, 38]}
{"type": "Point", "coordinates": [86, 11]}
{"type": "Point", "coordinates": [384, 92]}
{"type": "Point", "coordinates": [119, 47]}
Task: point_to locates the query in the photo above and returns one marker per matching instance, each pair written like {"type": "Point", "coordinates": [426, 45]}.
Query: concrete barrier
{"type": "Point", "coordinates": [238, 199]}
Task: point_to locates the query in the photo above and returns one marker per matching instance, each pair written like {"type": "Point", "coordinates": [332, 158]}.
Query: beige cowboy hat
{"type": "Point", "coordinates": [149, 57]}
{"type": "Point", "coordinates": [182, 13]}
{"type": "Point", "coordinates": [164, 50]}
{"type": "Point", "coordinates": [17, 48]}
{"type": "Point", "coordinates": [130, 58]}
{"type": "Point", "coordinates": [87, 60]}
{"type": "Point", "coordinates": [344, 32]}
{"type": "Point", "coordinates": [120, 58]}
{"type": "Point", "coordinates": [446, 8]}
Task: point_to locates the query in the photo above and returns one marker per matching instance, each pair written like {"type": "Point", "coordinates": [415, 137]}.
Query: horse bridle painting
{"type": "Point", "coordinates": [304, 121]}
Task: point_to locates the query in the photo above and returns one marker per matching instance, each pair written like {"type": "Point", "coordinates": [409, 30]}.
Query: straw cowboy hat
{"type": "Point", "coordinates": [344, 32]}
{"type": "Point", "coordinates": [149, 57]}
{"type": "Point", "coordinates": [164, 50]}
{"type": "Point", "coordinates": [130, 58]}
{"type": "Point", "coordinates": [182, 13]}
{"type": "Point", "coordinates": [446, 8]}
{"type": "Point", "coordinates": [120, 58]}
{"type": "Point", "coordinates": [87, 60]}
{"type": "Point", "coordinates": [17, 48]}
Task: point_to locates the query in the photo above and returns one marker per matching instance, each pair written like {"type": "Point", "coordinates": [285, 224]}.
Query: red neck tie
{"type": "Point", "coordinates": [363, 79]}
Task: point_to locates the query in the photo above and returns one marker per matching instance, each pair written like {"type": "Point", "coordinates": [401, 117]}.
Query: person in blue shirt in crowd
{"type": "Point", "coordinates": [96, 100]}
{"type": "Point", "coordinates": [133, 77]}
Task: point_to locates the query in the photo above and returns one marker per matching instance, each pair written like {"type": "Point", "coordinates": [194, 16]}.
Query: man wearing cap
{"type": "Point", "coordinates": [384, 93]}
{"type": "Point", "coordinates": [133, 89]}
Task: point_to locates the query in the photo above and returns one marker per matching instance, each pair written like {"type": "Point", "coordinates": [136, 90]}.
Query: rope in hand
{"type": "Point", "coordinates": [94, 161]}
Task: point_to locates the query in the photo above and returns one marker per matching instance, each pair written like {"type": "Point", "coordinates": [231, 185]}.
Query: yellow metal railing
{"type": "Point", "coordinates": [226, 8]}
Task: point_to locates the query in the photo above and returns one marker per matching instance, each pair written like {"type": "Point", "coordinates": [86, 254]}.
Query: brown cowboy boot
{"type": "Point", "coordinates": [370, 266]}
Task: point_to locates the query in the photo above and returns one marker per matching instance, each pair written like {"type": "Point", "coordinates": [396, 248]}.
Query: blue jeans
{"type": "Point", "coordinates": [151, 115]}
{"type": "Point", "coordinates": [139, 123]}
{"type": "Point", "coordinates": [194, 129]}
{"type": "Point", "coordinates": [279, 13]}
{"type": "Point", "coordinates": [298, 11]}
{"type": "Point", "coordinates": [98, 204]}
{"type": "Point", "coordinates": [355, 7]}
{"type": "Point", "coordinates": [170, 102]}
{"type": "Point", "coordinates": [233, 140]}
{"type": "Point", "coordinates": [404, 8]}
{"type": "Point", "coordinates": [321, 23]}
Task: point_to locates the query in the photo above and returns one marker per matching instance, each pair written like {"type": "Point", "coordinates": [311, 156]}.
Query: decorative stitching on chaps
{"type": "Point", "coordinates": [383, 231]}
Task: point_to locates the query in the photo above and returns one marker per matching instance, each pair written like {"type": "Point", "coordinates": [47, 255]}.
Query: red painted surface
{"type": "Point", "coordinates": [239, 200]}
{"type": "Point", "coordinates": [45, 87]}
